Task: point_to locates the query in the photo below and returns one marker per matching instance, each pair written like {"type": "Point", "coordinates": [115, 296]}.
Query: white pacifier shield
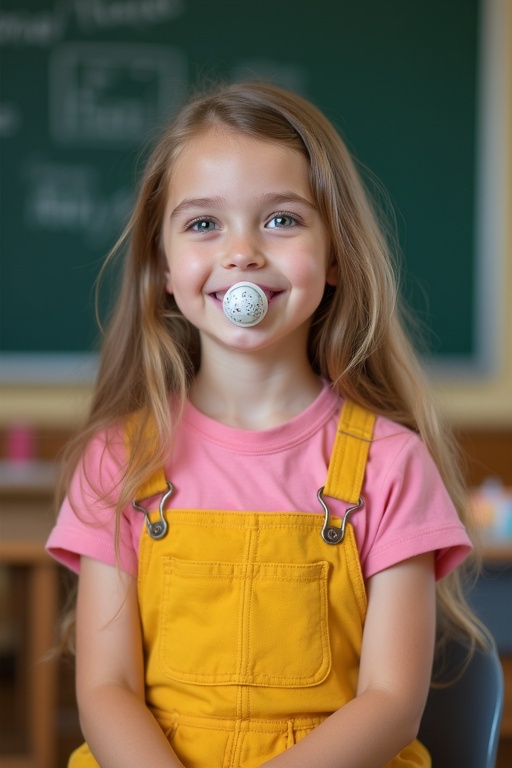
{"type": "Point", "coordinates": [245, 304]}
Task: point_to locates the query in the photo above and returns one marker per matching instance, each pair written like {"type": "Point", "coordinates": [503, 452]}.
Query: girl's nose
{"type": "Point", "coordinates": [244, 253]}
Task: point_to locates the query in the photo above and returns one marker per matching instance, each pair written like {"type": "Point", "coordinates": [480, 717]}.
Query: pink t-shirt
{"type": "Point", "coordinates": [407, 510]}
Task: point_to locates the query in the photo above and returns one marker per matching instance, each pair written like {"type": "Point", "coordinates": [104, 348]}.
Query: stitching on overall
{"type": "Point", "coordinates": [290, 735]}
{"type": "Point", "coordinates": [355, 575]}
{"type": "Point", "coordinates": [274, 725]}
{"type": "Point", "coordinates": [182, 517]}
{"type": "Point", "coordinates": [237, 757]}
{"type": "Point", "coordinates": [242, 619]}
{"type": "Point", "coordinates": [228, 755]}
{"type": "Point", "coordinates": [249, 648]}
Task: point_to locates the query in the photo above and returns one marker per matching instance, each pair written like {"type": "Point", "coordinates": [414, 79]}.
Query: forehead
{"type": "Point", "coordinates": [220, 155]}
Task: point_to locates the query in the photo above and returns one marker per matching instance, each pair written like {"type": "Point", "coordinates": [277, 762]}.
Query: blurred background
{"type": "Point", "coordinates": [421, 93]}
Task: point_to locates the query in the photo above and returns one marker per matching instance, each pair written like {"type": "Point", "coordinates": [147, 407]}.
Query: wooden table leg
{"type": "Point", "coordinates": [43, 613]}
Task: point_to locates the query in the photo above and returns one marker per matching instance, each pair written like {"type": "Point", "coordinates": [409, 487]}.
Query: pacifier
{"type": "Point", "coordinates": [245, 304]}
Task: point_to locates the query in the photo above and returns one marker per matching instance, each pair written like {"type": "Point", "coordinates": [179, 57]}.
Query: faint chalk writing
{"type": "Point", "coordinates": [112, 93]}
{"type": "Point", "coordinates": [44, 28]}
{"type": "Point", "coordinates": [23, 27]}
{"type": "Point", "coordinates": [10, 119]}
{"type": "Point", "coordinates": [67, 198]}
{"type": "Point", "coordinates": [105, 13]}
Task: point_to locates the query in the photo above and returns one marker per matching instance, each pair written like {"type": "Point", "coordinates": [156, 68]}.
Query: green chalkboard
{"type": "Point", "coordinates": [85, 82]}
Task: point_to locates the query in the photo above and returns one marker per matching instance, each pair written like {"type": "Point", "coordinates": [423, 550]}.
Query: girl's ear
{"type": "Point", "coordinates": [168, 282]}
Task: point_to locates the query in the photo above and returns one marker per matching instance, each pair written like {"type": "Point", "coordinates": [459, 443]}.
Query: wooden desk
{"type": "Point", "coordinates": [497, 551]}
{"type": "Point", "coordinates": [26, 494]}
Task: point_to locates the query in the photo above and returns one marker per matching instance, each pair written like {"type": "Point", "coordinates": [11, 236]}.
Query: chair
{"type": "Point", "coordinates": [461, 723]}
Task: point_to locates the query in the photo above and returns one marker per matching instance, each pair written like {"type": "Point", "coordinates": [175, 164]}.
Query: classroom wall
{"type": "Point", "coordinates": [472, 400]}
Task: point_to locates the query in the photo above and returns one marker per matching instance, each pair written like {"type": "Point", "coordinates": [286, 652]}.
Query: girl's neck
{"type": "Point", "coordinates": [251, 392]}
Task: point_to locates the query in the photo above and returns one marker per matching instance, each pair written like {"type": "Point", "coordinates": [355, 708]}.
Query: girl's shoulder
{"type": "Point", "coordinates": [392, 438]}
{"type": "Point", "coordinates": [86, 523]}
{"type": "Point", "coordinates": [399, 452]}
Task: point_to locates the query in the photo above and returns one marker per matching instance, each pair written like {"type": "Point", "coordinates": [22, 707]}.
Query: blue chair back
{"type": "Point", "coordinates": [461, 723]}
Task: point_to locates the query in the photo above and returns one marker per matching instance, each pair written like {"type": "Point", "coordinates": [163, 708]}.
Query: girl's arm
{"type": "Point", "coordinates": [119, 728]}
{"type": "Point", "coordinates": [394, 678]}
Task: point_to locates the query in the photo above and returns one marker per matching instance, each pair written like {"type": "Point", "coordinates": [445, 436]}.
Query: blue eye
{"type": "Point", "coordinates": [202, 225]}
{"type": "Point", "coordinates": [282, 220]}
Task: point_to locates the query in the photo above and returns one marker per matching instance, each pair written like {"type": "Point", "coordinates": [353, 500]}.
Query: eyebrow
{"type": "Point", "coordinates": [287, 197]}
{"type": "Point", "coordinates": [273, 198]}
{"type": "Point", "coordinates": [196, 202]}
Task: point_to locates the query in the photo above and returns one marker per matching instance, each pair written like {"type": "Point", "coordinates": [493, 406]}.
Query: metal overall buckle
{"type": "Point", "coordinates": [158, 529]}
{"type": "Point", "coordinates": [330, 533]}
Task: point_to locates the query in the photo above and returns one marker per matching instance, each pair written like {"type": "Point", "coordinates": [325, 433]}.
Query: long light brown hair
{"type": "Point", "coordinates": [357, 340]}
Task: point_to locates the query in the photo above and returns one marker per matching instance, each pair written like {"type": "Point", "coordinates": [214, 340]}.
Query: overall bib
{"type": "Point", "coordinates": [253, 621]}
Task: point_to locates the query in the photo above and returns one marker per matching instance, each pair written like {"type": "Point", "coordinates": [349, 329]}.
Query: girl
{"type": "Point", "coordinates": [261, 500]}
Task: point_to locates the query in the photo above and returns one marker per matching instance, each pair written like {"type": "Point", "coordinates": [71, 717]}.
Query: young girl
{"type": "Point", "coordinates": [262, 499]}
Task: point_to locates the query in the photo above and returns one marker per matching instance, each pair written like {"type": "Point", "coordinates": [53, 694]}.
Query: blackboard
{"type": "Point", "coordinates": [85, 82]}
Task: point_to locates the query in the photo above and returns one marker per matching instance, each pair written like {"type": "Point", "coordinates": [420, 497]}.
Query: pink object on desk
{"type": "Point", "coordinates": [21, 443]}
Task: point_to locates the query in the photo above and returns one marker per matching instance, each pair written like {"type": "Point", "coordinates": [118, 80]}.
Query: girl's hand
{"type": "Point", "coordinates": [394, 677]}
{"type": "Point", "coordinates": [119, 728]}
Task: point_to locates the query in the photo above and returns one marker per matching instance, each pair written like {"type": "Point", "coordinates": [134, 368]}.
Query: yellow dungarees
{"type": "Point", "coordinates": [253, 621]}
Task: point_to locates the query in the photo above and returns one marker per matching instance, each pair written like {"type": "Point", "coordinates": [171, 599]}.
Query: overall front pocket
{"type": "Point", "coordinates": [260, 624]}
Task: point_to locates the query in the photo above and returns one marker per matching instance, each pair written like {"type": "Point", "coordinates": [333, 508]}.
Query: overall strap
{"type": "Point", "coordinates": [156, 485]}
{"type": "Point", "coordinates": [350, 453]}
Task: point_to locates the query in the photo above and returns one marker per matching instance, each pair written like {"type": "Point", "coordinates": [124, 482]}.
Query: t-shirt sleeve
{"type": "Point", "coordinates": [86, 524]}
{"type": "Point", "coordinates": [408, 510]}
